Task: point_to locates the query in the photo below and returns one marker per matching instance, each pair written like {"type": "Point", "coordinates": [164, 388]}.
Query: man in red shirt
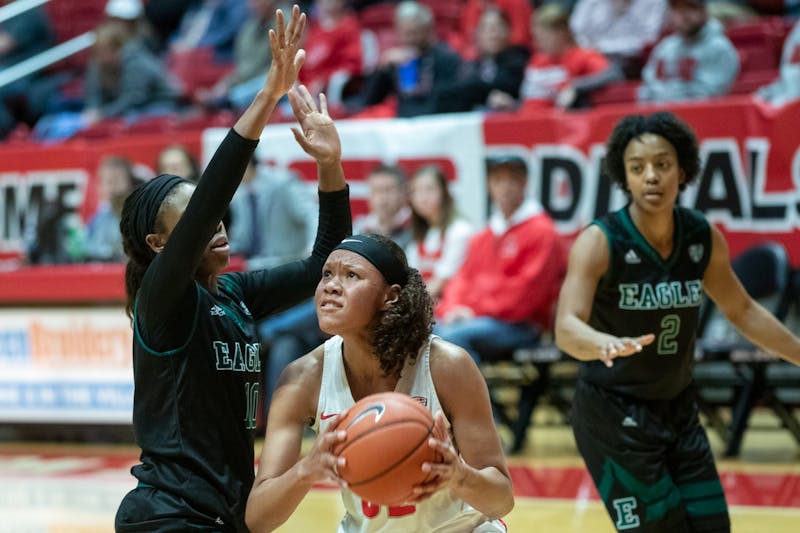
{"type": "Point", "coordinates": [505, 292]}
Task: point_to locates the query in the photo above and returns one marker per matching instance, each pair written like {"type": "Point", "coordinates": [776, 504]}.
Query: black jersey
{"type": "Point", "coordinates": [196, 357]}
{"type": "Point", "coordinates": [195, 406]}
{"type": "Point", "coordinates": [644, 293]}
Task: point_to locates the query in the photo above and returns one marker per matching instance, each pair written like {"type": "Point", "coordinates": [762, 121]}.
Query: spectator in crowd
{"type": "Point", "coordinates": [333, 49]}
{"type": "Point", "coordinates": [210, 24]}
{"type": "Point", "coordinates": [504, 294]}
{"type": "Point", "coordinates": [518, 13]}
{"type": "Point", "coordinates": [416, 70]}
{"type": "Point", "coordinates": [178, 161]}
{"type": "Point", "coordinates": [130, 14]}
{"type": "Point", "coordinates": [697, 61]}
{"type": "Point", "coordinates": [21, 37]}
{"type": "Point", "coordinates": [116, 180]}
{"type": "Point", "coordinates": [389, 213]}
{"type": "Point", "coordinates": [165, 17]}
{"type": "Point", "coordinates": [787, 87]}
{"type": "Point", "coordinates": [619, 29]}
{"type": "Point", "coordinates": [124, 78]}
{"type": "Point", "coordinates": [499, 65]}
{"type": "Point", "coordinates": [58, 235]}
{"type": "Point", "coordinates": [559, 72]}
{"type": "Point", "coordinates": [272, 217]}
{"type": "Point", "coordinates": [251, 59]}
{"type": "Point", "coordinates": [440, 234]}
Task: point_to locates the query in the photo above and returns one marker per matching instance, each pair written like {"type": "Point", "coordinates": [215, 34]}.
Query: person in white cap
{"type": "Point", "coordinates": [130, 14]}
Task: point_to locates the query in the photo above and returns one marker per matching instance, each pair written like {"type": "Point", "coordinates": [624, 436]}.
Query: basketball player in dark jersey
{"type": "Point", "coordinates": [196, 355]}
{"type": "Point", "coordinates": [629, 309]}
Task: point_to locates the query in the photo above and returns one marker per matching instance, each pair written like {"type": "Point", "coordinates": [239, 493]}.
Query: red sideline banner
{"type": "Point", "coordinates": [750, 180]}
{"type": "Point", "coordinates": [31, 174]}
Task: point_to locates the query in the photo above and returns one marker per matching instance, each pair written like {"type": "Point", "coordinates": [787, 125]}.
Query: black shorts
{"type": "Point", "coordinates": [650, 461]}
{"type": "Point", "coordinates": [147, 509]}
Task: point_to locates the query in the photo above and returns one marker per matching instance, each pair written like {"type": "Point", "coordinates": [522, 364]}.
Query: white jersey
{"type": "Point", "coordinates": [440, 513]}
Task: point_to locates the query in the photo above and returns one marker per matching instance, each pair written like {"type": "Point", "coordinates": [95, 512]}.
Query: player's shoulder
{"type": "Point", "coordinates": [306, 370]}
{"type": "Point", "coordinates": [447, 358]}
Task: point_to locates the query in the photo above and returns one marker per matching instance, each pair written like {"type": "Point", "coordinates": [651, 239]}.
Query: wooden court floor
{"type": "Point", "coordinates": [71, 488]}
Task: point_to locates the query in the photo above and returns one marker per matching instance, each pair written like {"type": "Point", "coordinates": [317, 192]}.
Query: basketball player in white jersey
{"type": "Point", "coordinates": [380, 313]}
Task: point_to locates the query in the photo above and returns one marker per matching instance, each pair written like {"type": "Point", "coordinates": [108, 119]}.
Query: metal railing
{"type": "Point", "coordinates": [43, 59]}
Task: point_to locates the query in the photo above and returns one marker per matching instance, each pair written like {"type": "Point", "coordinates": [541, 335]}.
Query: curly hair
{"type": "Point", "coordinates": [400, 332]}
{"type": "Point", "coordinates": [664, 124]}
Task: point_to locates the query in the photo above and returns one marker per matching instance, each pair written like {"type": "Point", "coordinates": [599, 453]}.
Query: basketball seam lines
{"type": "Point", "coordinates": [406, 456]}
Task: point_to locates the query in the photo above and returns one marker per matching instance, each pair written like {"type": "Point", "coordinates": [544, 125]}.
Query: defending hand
{"type": "Point", "coordinates": [317, 135]}
{"type": "Point", "coordinates": [287, 56]}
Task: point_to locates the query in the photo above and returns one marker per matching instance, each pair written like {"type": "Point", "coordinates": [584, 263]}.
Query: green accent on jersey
{"type": "Point", "coordinates": [637, 293]}
{"type": "Point", "coordinates": [149, 350]}
{"type": "Point", "coordinates": [639, 239]}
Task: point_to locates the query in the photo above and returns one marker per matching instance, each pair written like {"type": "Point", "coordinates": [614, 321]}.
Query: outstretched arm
{"type": "Point", "coordinates": [287, 58]}
{"type": "Point", "coordinates": [269, 290]}
{"type": "Point", "coordinates": [168, 283]}
{"type": "Point", "coordinates": [588, 262]}
{"type": "Point", "coordinates": [756, 323]}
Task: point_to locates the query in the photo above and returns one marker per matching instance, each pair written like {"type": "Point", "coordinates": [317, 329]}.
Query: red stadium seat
{"type": "Point", "coordinates": [748, 82]}
{"type": "Point", "coordinates": [151, 125]}
{"type": "Point", "coordinates": [101, 130]}
{"type": "Point", "coordinates": [196, 69]}
{"type": "Point", "coordinates": [757, 43]}
{"type": "Point", "coordinates": [377, 17]}
{"type": "Point", "coordinates": [616, 93]}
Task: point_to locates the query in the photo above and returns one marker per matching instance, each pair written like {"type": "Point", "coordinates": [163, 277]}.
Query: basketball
{"type": "Point", "coordinates": [385, 445]}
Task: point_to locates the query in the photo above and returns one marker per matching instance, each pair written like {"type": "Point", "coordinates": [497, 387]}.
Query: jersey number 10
{"type": "Point", "coordinates": [251, 400]}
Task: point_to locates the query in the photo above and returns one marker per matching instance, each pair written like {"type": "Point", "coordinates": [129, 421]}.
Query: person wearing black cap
{"type": "Point", "coordinates": [628, 310]}
{"type": "Point", "coordinates": [380, 313]}
{"type": "Point", "coordinates": [196, 360]}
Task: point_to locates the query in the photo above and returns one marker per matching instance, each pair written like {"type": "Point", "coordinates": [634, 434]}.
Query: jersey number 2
{"type": "Point", "coordinates": [670, 327]}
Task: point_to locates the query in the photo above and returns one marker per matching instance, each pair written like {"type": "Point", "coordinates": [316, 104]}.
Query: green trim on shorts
{"type": "Point", "coordinates": [707, 506]}
{"type": "Point", "coordinates": [659, 497]}
{"type": "Point", "coordinates": [704, 497]}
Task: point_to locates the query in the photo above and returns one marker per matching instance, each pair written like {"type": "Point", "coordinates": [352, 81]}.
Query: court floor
{"type": "Point", "coordinates": [72, 488]}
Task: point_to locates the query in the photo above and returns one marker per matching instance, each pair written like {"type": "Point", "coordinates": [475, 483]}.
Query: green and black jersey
{"type": "Point", "coordinates": [196, 359]}
{"type": "Point", "coordinates": [642, 293]}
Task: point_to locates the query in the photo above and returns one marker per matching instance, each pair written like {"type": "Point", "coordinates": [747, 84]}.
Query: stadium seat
{"type": "Point", "coordinates": [196, 69]}
{"type": "Point", "coordinates": [377, 17]}
{"type": "Point", "coordinates": [757, 43]}
{"type": "Point", "coordinates": [151, 125]}
{"type": "Point", "coordinates": [616, 93]}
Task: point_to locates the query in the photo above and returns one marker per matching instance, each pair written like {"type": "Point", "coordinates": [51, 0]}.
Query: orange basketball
{"type": "Point", "coordinates": [385, 445]}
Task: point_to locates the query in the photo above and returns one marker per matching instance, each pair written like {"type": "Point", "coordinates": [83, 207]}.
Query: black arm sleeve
{"type": "Point", "coordinates": [268, 291]}
{"type": "Point", "coordinates": [167, 298]}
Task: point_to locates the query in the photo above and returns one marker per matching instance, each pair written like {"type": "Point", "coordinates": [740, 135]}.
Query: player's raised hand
{"type": "Point", "coordinates": [615, 347]}
{"type": "Point", "coordinates": [317, 134]}
{"type": "Point", "coordinates": [287, 56]}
